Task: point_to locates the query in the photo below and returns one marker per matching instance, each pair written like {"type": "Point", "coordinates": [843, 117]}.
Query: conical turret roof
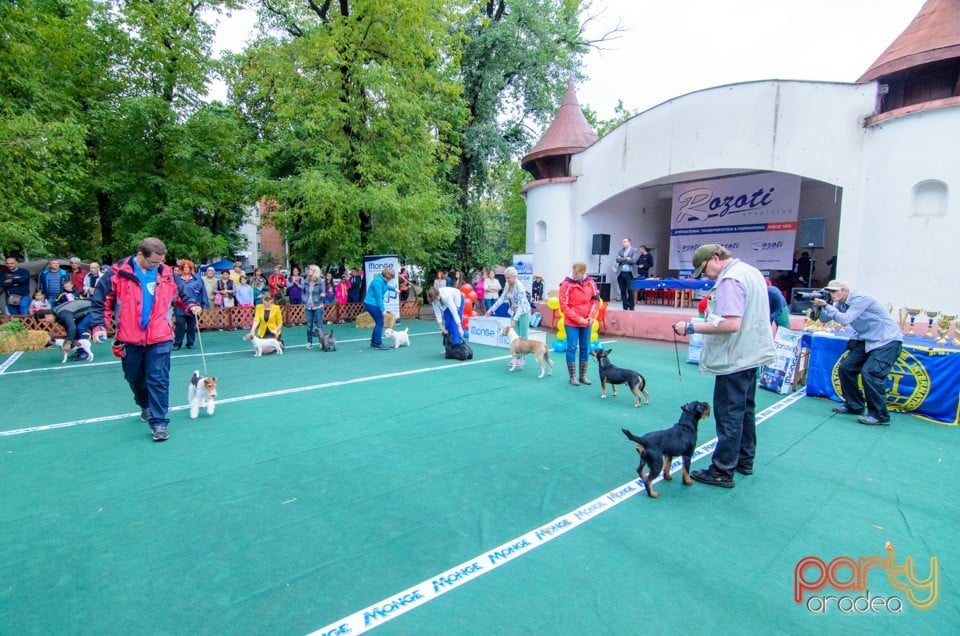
{"type": "Point", "coordinates": [933, 36]}
{"type": "Point", "coordinates": [568, 134]}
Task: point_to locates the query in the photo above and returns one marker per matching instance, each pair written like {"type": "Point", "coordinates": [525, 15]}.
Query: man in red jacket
{"type": "Point", "coordinates": [140, 290]}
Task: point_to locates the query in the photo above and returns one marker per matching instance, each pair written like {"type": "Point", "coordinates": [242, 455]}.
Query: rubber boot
{"type": "Point", "coordinates": [573, 374]}
{"type": "Point", "coordinates": [583, 373]}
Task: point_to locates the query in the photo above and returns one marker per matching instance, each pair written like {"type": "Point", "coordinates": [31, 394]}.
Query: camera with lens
{"type": "Point", "coordinates": [822, 294]}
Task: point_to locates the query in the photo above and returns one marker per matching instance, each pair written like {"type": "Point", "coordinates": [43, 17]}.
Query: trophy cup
{"type": "Point", "coordinates": [931, 316]}
{"type": "Point", "coordinates": [903, 318]}
{"type": "Point", "coordinates": [912, 314]}
{"type": "Point", "coordinates": [943, 326]}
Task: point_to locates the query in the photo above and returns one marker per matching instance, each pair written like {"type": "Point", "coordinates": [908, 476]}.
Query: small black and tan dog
{"type": "Point", "coordinates": [658, 448]}
{"type": "Point", "coordinates": [612, 375]}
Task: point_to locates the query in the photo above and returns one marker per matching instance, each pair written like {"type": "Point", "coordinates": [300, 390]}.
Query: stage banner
{"type": "Point", "coordinates": [754, 216]}
{"type": "Point", "coordinates": [524, 265]}
{"type": "Point", "coordinates": [373, 265]}
{"type": "Point", "coordinates": [924, 382]}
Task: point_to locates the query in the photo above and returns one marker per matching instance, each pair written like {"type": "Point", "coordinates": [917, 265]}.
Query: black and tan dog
{"type": "Point", "coordinates": [612, 375]}
{"type": "Point", "coordinates": [658, 448]}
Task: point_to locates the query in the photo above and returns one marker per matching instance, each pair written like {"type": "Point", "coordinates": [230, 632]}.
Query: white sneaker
{"type": "Point", "coordinates": [309, 345]}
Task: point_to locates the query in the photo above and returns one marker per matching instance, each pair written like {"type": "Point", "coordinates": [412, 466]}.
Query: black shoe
{"type": "Point", "coordinates": [176, 347]}
{"type": "Point", "coordinates": [160, 433]}
{"type": "Point", "coordinates": [145, 415]}
{"type": "Point", "coordinates": [870, 420]}
{"type": "Point", "coordinates": [190, 346]}
{"type": "Point", "coordinates": [744, 470]}
{"type": "Point", "coordinates": [843, 409]}
{"type": "Point", "coordinates": [711, 477]}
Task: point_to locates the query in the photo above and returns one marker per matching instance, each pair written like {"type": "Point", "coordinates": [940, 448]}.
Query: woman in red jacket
{"type": "Point", "coordinates": [579, 302]}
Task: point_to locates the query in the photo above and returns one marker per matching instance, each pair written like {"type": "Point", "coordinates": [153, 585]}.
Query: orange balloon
{"type": "Point", "coordinates": [466, 323]}
{"type": "Point", "coordinates": [467, 309]}
{"type": "Point", "coordinates": [472, 296]}
{"type": "Point", "coordinates": [466, 288]}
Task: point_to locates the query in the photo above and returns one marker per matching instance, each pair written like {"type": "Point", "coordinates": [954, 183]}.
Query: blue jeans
{"type": "Point", "coordinates": [734, 409]}
{"type": "Point", "coordinates": [578, 336]}
{"type": "Point", "coordinates": [147, 371]}
{"type": "Point", "coordinates": [185, 323]}
{"type": "Point", "coordinates": [874, 368]}
{"type": "Point", "coordinates": [376, 340]}
{"type": "Point", "coordinates": [314, 319]}
{"type": "Point", "coordinates": [21, 309]}
{"type": "Point", "coordinates": [451, 323]}
{"type": "Point", "coordinates": [75, 328]}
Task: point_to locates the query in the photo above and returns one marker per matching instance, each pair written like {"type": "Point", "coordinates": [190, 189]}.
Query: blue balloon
{"type": "Point", "coordinates": [595, 345]}
{"type": "Point", "coordinates": [559, 345]}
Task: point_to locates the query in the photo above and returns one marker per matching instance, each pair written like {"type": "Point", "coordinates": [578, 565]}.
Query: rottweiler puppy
{"type": "Point", "coordinates": [658, 448]}
{"type": "Point", "coordinates": [612, 375]}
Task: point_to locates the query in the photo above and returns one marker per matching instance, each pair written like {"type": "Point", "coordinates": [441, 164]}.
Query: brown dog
{"type": "Point", "coordinates": [522, 346]}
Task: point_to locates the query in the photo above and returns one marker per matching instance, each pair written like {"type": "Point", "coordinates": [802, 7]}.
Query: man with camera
{"type": "Point", "coordinates": [871, 353]}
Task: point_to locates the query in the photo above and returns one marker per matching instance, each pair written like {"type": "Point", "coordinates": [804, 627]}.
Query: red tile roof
{"type": "Point", "coordinates": [934, 35]}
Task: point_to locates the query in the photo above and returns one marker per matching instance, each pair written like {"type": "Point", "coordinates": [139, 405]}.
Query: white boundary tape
{"type": "Point", "coordinates": [397, 604]}
{"type": "Point", "coordinates": [257, 396]}
{"type": "Point", "coordinates": [9, 361]}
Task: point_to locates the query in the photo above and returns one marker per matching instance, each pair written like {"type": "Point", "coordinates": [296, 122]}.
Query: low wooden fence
{"type": "Point", "coordinates": [242, 317]}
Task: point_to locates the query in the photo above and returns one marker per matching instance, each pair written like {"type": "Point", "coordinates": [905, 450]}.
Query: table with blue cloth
{"type": "Point", "coordinates": [924, 382]}
{"type": "Point", "coordinates": [681, 287]}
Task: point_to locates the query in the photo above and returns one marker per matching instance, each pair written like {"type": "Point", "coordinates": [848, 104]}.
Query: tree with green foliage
{"type": "Point", "coordinates": [356, 108]}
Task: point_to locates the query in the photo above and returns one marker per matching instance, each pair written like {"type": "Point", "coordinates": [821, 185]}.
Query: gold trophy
{"type": "Point", "coordinates": [943, 326]}
{"type": "Point", "coordinates": [912, 314]}
{"type": "Point", "coordinates": [931, 316]}
{"type": "Point", "coordinates": [903, 318]}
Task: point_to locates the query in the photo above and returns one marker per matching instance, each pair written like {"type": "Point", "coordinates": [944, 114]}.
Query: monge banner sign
{"type": "Point", "coordinates": [373, 265]}
{"type": "Point", "coordinates": [753, 216]}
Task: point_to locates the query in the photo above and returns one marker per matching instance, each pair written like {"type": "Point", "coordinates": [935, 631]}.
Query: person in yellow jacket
{"type": "Point", "coordinates": [267, 319]}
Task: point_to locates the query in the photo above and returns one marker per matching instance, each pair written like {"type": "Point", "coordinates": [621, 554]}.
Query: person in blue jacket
{"type": "Point", "coordinates": [374, 304]}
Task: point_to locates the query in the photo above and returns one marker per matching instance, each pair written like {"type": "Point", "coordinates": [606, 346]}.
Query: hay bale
{"type": "Point", "coordinates": [24, 341]}
{"type": "Point", "coordinates": [365, 321]}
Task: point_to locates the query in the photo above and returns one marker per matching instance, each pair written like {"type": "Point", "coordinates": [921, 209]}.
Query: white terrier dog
{"type": "Point", "coordinates": [65, 348]}
{"type": "Point", "coordinates": [399, 337]}
{"type": "Point", "coordinates": [519, 347]}
{"type": "Point", "coordinates": [201, 392]}
{"type": "Point", "coordinates": [264, 345]}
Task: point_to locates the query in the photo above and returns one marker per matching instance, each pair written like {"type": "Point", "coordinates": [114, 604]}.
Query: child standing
{"type": "Point", "coordinates": [342, 293]}
{"type": "Point", "coordinates": [39, 302]}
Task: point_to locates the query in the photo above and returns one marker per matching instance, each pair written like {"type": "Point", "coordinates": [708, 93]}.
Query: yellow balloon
{"type": "Point", "coordinates": [553, 302]}
{"type": "Point", "coordinates": [561, 330]}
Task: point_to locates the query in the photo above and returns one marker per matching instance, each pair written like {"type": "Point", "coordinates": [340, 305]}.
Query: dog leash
{"type": "Point", "coordinates": [676, 350]}
{"type": "Point", "coordinates": [203, 357]}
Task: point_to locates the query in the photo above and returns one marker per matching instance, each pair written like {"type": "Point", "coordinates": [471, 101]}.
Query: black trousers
{"type": "Point", "coordinates": [627, 294]}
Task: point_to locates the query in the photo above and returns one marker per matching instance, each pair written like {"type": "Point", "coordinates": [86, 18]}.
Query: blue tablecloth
{"type": "Point", "coordinates": [924, 382]}
{"type": "Point", "coordinates": [672, 283]}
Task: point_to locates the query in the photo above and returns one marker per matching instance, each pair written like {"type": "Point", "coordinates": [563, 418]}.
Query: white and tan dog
{"type": "Point", "coordinates": [399, 337]}
{"type": "Point", "coordinates": [201, 392]}
{"type": "Point", "coordinates": [522, 346]}
{"type": "Point", "coordinates": [82, 343]}
{"type": "Point", "coordinates": [264, 345]}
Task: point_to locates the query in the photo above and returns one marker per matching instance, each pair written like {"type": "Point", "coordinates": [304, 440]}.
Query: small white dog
{"type": "Point", "coordinates": [201, 392]}
{"type": "Point", "coordinates": [399, 337]}
{"type": "Point", "coordinates": [82, 343]}
{"type": "Point", "coordinates": [264, 345]}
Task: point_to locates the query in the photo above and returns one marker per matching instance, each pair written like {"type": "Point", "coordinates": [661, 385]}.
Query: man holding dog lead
{"type": "Point", "coordinates": [870, 354]}
{"type": "Point", "coordinates": [139, 291]}
{"type": "Point", "coordinates": [737, 340]}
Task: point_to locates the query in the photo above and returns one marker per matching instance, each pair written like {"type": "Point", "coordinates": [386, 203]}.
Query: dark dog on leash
{"type": "Point", "coordinates": [658, 448]}
{"type": "Point", "coordinates": [327, 341]}
{"type": "Point", "coordinates": [609, 374]}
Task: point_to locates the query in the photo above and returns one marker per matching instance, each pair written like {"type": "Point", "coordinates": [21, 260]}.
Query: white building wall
{"type": "Point", "coordinates": [810, 129]}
